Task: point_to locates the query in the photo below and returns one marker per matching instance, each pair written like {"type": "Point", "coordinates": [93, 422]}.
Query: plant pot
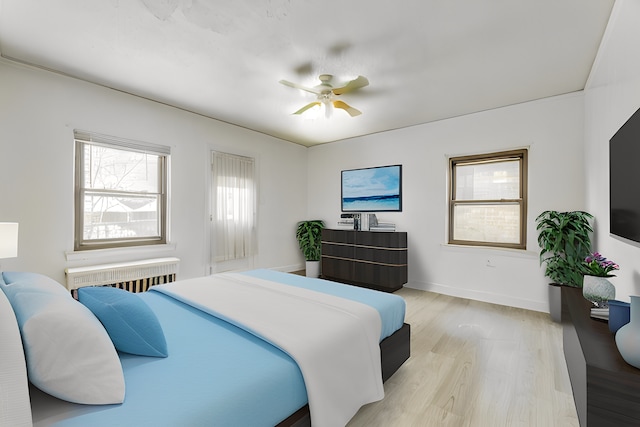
{"type": "Point", "coordinates": [555, 302]}
{"type": "Point", "coordinates": [628, 336]}
{"type": "Point", "coordinates": [619, 314]}
{"type": "Point", "coordinates": [598, 290]}
{"type": "Point", "coordinates": [312, 268]}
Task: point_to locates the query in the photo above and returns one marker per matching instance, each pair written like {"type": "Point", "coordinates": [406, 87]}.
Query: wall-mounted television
{"type": "Point", "coordinates": [376, 189]}
{"type": "Point", "coordinates": [624, 175]}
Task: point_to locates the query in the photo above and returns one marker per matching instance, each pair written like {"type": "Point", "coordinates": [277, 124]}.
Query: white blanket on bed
{"type": "Point", "coordinates": [334, 341]}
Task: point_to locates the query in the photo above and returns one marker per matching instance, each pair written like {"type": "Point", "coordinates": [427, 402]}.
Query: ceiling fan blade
{"type": "Point", "coordinates": [346, 107]}
{"type": "Point", "coordinates": [354, 84]}
{"type": "Point", "coordinates": [306, 107]}
{"type": "Point", "coordinates": [297, 86]}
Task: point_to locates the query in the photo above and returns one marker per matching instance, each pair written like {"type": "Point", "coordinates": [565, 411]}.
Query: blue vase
{"type": "Point", "coordinates": [619, 314]}
{"type": "Point", "coordinates": [628, 336]}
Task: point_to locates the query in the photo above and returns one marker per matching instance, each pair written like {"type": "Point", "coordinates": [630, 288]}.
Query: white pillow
{"type": "Point", "coordinates": [69, 354]}
{"type": "Point", "coordinates": [15, 408]}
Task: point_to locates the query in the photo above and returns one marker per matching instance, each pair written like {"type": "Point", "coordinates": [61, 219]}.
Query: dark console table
{"type": "Point", "coordinates": [605, 388]}
{"type": "Point", "coordinates": [376, 260]}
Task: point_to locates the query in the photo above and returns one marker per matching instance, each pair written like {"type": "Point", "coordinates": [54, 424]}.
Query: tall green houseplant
{"type": "Point", "coordinates": [309, 235]}
{"type": "Point", "coordinates": [565, 241]}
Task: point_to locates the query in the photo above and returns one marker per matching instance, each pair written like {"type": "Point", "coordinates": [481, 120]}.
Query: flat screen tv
{"type": "Point", "coordinates": [377, 189]}
{"type": "Point", "coordinates": [624, 175]}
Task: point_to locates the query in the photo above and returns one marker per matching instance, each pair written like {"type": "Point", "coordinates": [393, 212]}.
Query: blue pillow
{"type": "Point", "coordinates": [14, 281]}
{"type": "Point", "coordinates": [129, 321]}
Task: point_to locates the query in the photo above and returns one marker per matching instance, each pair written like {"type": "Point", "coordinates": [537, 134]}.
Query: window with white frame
{"type": "Point", "coordinates": [234, 206]}
{"type": "Point", "coordinates": [120, 192]}
{"type": "Point", "coordinates": [488, 199]}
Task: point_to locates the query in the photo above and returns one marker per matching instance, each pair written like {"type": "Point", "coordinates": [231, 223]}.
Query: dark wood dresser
{"type": "Point", "coordinates": [606, 389]}
{"type": "Point", "coordinates": [376, 260]}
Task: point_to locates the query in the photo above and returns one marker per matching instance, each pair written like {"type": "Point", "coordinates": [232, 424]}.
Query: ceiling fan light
{"type": "Point", "coordinates": [326, 94]}
{"type": "Point", "coordinates": [328, 108]}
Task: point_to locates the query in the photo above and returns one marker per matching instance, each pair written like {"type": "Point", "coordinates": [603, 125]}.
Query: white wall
{"type": "Point", "coordinates": [38, 112]}
{"type": "Point", "coordinates": [553, 130]}
{"type": "Point", "coordinates": [611, 97]}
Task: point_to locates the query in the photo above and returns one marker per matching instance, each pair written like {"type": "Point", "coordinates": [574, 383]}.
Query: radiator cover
{"type": "Point", "coordinates": [134, 276]}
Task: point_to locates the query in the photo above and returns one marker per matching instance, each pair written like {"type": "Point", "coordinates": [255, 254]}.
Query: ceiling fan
{"type": "Point", "coordinates": [326, 94]}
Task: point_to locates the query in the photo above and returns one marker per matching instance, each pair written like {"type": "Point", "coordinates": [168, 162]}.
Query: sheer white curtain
{"type": "Point", "coordinates": [234, 210]}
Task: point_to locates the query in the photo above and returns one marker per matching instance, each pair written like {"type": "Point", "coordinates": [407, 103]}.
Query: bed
{"type": "Point", "coordinates": [210, 358]}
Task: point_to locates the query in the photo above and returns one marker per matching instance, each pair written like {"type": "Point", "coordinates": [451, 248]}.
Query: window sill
{"type": "Point", "coordinates": [118, 252]}
{"type": "Point", "coordinates": [517, 253]}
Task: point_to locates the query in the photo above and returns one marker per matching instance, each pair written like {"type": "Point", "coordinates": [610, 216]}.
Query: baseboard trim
{"type": "Point", "coordinates": [509, 301]}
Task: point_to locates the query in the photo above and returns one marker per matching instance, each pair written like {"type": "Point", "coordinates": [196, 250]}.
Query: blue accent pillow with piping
{"type": "Point", "coordinates": [131, 324]}
{"type": "Point", "coordinates": [15, 281]}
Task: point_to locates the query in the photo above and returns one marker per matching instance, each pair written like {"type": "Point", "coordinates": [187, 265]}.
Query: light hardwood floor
{"type": "Point", "coordinates": [475, 364]}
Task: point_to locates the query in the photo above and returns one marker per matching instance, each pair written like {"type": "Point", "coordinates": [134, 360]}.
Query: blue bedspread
{"type": "Point", "coordinates": [216, 374]}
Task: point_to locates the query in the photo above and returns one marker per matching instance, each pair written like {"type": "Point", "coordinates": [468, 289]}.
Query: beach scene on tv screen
{"type": "Point", "coordinates": [374, 189]}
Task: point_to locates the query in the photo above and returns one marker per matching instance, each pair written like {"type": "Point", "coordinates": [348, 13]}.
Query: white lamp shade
{"type": "Point", "coordinates": [8, 239]}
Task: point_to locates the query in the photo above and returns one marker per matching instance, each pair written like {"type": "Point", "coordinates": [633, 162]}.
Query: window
{"type": "Point", "coordinates": [120, 192]}
{"type": "Point", "coordinates": [488, 198]}
{"type": "Point", "coordinates": [234, 210]}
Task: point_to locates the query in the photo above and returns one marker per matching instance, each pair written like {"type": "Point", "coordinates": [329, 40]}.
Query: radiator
{"type": "Point", "coordinates": [134, 276]}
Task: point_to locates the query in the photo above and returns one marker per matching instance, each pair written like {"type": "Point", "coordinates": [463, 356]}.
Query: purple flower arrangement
{"type": "Point", "coordinates": [599, 266]}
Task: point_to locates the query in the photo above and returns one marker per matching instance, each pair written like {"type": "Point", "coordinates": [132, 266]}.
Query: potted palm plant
{"type": "Point", "coordinates": [309, 234]}
{"type": "Point", "coordinates": [565, 240]}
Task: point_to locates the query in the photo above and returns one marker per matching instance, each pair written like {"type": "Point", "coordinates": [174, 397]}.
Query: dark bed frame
{"type": "Point", "coordinates": [394, 351]}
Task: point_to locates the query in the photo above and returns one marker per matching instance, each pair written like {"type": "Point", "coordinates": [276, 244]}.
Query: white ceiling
{"type": "Point", "coordinates": [426, 60]}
